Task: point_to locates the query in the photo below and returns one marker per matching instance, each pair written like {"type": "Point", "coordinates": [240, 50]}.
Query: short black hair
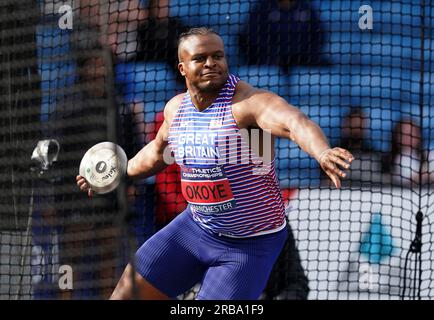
{"type": "Point", "coordinates": [201, 31]}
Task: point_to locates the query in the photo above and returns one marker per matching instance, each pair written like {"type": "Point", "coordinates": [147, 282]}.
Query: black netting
{"type": "Point", "coordinates": [103, 70]}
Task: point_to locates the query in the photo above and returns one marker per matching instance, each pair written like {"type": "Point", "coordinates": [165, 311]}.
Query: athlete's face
{"type": "Point", "coordinates": [203, 62]}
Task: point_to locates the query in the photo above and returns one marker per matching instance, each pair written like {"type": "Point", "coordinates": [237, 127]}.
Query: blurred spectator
{"type": "Point", "coordinates": [158, 36]}
{"type": "Point", "coordinates": [90, 235]}
{"type": "Point", "coordinates": [353, 136]}
{"type": "Point", "coordinates": [407, 162]}
{"type": "Point", "coordinates": [283, 33]}
{"type": "Point", "coordinates": [366, 167]}
{"type": "Point", "coordinates": [117, 23]}
{"type": "Point", "coordinates": [158, 42]}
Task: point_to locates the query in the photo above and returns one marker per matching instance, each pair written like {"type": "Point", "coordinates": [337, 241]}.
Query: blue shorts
{"type": "Point", "coordinates": [183, 254]}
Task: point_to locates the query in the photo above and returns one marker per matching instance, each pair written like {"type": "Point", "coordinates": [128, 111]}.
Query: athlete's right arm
{"type": "Point", "coordinates": [150, 160]}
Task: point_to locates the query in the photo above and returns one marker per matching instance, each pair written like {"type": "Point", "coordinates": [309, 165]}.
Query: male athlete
{"type": "Point", "coordinates": [233, 229]}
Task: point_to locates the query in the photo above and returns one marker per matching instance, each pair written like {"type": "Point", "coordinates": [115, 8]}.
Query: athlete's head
{"type": "Point", "coordinates": [202, 59]}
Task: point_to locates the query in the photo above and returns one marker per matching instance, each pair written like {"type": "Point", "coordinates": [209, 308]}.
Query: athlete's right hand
{"type": "Point", "coordinates": [83, 185]}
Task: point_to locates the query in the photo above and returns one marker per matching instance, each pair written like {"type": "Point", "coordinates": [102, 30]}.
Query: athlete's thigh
{"type": "Point", "coordinates": [169, 259]}
{"type": "Point", "coordinates": [242, 272]}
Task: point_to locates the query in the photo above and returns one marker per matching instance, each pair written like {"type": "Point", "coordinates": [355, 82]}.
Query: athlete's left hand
{"type": "Point", "coordinates": [331, 159]}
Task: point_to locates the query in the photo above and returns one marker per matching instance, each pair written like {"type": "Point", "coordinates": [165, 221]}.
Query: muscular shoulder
{"type": "Point", "coordinates": [172, 106]}
{"type": "Point", "coordinates": [247, 101]}
{"type": "Point", "coordinates": [244, 92]}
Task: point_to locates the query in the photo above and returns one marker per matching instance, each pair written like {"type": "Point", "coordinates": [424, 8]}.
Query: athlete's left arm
{"type": "Point", "coordinates": [271, 112]}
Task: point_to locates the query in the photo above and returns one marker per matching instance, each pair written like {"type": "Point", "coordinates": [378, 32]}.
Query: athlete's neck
{"type": "Point", "coordinates": [202, 99]}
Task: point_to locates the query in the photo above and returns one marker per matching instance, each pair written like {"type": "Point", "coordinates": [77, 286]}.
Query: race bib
{"type": "Point", "coordinates": [207, 189]}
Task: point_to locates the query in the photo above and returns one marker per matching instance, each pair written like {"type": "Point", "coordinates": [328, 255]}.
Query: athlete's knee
{"type": "Point", "coordinates": [132, 286]}
{"type": "Point", "coordinates": [124, 288]}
